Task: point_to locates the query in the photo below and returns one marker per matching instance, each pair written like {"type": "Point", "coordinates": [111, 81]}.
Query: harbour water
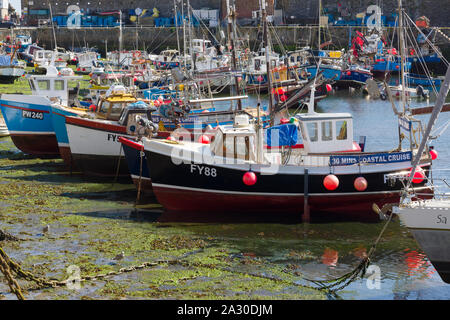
{"type": "Point", "coordinates": [229, 257]}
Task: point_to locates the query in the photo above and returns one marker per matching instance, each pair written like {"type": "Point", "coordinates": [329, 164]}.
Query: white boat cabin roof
{"type": "Point", "coordinates": [53, 84]}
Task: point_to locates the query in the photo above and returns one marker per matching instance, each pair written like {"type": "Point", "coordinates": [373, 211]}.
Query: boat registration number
{"type": "Point", "coordinates": [32, 115]}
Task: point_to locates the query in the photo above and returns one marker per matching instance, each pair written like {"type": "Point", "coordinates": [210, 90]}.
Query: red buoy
{"type": "Point", "coordinates": [433, 154]}
{"type": "Point", "coordinates": [349, 73]}
{"type": "Point", "coordinates": [280, 91]}
{"type": "Point", "coordinates": [92, 107]}
{"type": "Point", "coordinates": [204, 139]}
{"type": "Point", "coordinates": [171, 138]}
{"type": "Point", "coordinates": [419, 175]}
{"type": "Point", "coordinates": [249, 178]}
{"type": "Point", "coordinates": [284, 121]}
{"type": "Point", "coordinates": [283, 98]}
{"type": "Point", "coordinates": [329, 87]}
{"type": "Point", "coordinates": [260, 79]}
{"type": "Point", "coordinates": [331, 182]}
{"type": "Point", "coordinates": [360, 184]}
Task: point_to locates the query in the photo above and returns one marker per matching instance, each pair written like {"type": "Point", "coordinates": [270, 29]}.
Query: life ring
{"type": "Point", "coordinates": [136, 54]}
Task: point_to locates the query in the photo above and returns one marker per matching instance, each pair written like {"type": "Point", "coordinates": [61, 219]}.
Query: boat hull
{"type": "Point", "coordinates": [328, 73]}
{"type": "Point", "coordinates": [354, 78]}
{"type": "Point", "coordinates": [429, 223]}
{"type": "Point", "coordinates": [186, 187]}
{"type": "Point", "coordinates": [138, 168]}
{"type": "Point", "coordinates": [29, 122]}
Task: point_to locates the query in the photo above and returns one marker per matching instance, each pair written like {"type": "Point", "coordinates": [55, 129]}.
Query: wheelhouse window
{"type": "Point", "coordinates": [59, 85]}
{"type": "Point", "coordinates": [43, 84]}
{"type": "Point", "coordinates": [327, 131]}
{"type": "Point", "coordinates": [313, 131]}
{"type": "Point", "coordinates": [341, 130]}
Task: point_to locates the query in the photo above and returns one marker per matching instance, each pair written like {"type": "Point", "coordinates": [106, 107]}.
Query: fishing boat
{"type": "Point", "coordinates": [354, 76]}
{"type": "Point", "coordinates": [236, 173]}
{"type": "Point", "coordinates": [414, 79]}
{"type": "Point", "coordinates": [29, 53]}
{"type": "Point", "coordinates": [93, 140]}
{"type": "Point", "coordinates": [418, 92]}
{"type": "Point", "coordinates": [10, 69]}
{"type": "Point", "coordinates": [29, 118]}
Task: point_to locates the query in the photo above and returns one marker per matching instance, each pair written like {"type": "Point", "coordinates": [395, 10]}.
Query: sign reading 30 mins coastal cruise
{"type": "Point", "coordinates": [371, 158]}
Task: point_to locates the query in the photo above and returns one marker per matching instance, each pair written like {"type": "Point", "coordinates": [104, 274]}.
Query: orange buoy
{"type": "Point", "coordinates": [331, 182]}
{"type": "Point", "coordinates": [360, 184]}
{"type": "Point", "coordinates": [249, 178]}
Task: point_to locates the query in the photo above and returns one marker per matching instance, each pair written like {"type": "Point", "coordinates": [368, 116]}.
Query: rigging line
{"type": "Point", "coordinates": [421, 59]}
{"type": "Point", "coordinates": [429, 42]}
{"type": "Point", "coordinates": [201, 21]}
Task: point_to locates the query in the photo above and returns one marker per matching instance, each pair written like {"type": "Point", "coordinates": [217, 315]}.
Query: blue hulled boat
{"type": "Point", "coordinates": [414, 79]}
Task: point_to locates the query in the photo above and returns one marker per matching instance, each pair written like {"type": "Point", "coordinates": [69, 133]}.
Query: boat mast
{"type": "Point", "coordinates": [320, 11]}
{"type": "Point", "coordinates": [120, 37]}
{"type": "Point", "coordinates": [176, 24]}
{"type": "Point", "coordinates": [402, 54]}
{"type": "Point", "coordinates": [266, 52]}
{"type": "Point", "coordinates": [230, 14]}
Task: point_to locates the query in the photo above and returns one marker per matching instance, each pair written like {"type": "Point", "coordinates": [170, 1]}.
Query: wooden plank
{"type": "Point", "coordinates": [425, 110]}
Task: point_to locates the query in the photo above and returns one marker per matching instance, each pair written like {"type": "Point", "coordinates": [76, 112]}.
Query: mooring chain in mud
{"type": "Point", "coordinates": [5, 236]}
{"type": "Point", "coordinates": [12, 283]}
{"type": "Point", "coordinates": [340, 283]}
{"type": "Point", "coordinates": [7, 265]}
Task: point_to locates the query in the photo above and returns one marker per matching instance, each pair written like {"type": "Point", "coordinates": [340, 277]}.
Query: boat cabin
{"type": "Point", "coordinates": [327, 132]}
{"type": "Point", "coordinates": [55, 86]}
{"type": "Point", "coordinates": [114, 102]}
{"type": "Point", "coordinates": [169, 55]}
{"type": "Point", "coordinates": [237, 141]}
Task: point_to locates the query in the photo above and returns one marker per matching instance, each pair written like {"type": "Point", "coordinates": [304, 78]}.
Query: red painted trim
{"type": "Point", "coordinates": [131, 144]}
{"type": "Point", "coordinates": [27, 109]}
{"type": "Point", "coordinates": [297, 146]}
{"type": "Point", "coordinates": [96, 125]}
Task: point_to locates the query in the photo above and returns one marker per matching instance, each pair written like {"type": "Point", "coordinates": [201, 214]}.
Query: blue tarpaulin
{"type": "Point", "coordinates": [282, 135]}
{"type": "Point", "coordinates": [6, 61]}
